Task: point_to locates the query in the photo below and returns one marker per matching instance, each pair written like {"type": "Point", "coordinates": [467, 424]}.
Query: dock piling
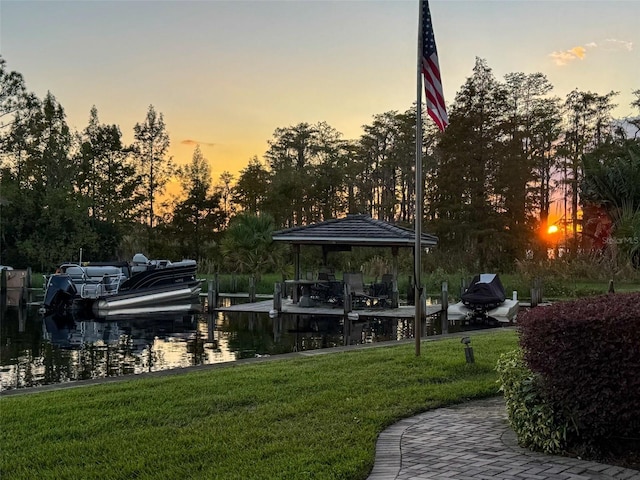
{"type": "Point", "coordinates": [444, 317]}
{"type": "Point", "coordinates": [277, 297]}
{"type": "Point", "coordinates": [395, 294]}
{"type": "Point", "coordinates": [347, 302]}
{"type": "Point", "coordinates": [252, 288]}
{"type": "Point", "coordinates": [536, 292]}
{"type": "Point", "coordinates": [212, 294]}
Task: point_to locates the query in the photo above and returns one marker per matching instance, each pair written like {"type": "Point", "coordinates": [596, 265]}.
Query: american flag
{"type": "Point", "coordinates": [431, 71]}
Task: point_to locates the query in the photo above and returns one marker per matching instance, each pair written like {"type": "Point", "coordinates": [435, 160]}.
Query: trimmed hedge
{"type": "Point", "coordinates": [587, 353]}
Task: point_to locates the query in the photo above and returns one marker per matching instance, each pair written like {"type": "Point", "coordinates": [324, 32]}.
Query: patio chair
{"type": "Point", "coordinates": [384, 287]}
{"type": "Point", "coordinates": [326, 276]}
{"type": "Point", "coordinates": [361, 297]}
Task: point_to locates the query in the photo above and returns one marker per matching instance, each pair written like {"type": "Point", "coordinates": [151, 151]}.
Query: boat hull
{"type": "Point", "coordinates": [130, 302]}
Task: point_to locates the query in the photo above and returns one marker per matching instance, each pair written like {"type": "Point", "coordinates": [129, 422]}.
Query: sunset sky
{"type": "Point", "coordinates": [226, 74]}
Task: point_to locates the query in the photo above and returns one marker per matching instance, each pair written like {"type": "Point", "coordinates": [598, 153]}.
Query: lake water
{"type": "Point", "coordinates": [36, 350]}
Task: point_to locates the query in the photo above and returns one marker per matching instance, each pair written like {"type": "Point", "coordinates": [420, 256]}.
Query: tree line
{"type": "Point", "coordinates": [511, 150]}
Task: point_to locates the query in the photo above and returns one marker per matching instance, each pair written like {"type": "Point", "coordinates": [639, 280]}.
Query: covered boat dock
{"type": "Point", "coordinates": [339, 235]}
{"type": "Point", "coordinates": [354, 230]}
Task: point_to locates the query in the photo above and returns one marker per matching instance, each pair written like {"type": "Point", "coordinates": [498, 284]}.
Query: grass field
{"type": "Point", "coordinates": [304, 418]}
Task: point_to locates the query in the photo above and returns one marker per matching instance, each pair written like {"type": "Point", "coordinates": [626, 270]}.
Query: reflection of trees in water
{"type": "Point", "coordinates": [126, 354]}
{"type": "Point", "coordinates": [195, 347]}
{"type": "Point", "coordinates": [26, 357]}
{"type": "Point", "coordinates": [149, 358]}
{"type": "Point", "coordinates": [57, 366]}
{"type": "Point", "coordinates": [113, 359]}
{"type": "Point", "coordinates": [248, 335]}
{"type": "Point", "coordinates": [89, 361]}
{"type": "Point", "coordinates": [251, 334]}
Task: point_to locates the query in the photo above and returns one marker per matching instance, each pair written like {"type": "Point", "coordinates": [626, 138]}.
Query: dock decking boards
{"type": "Point", "coordinates": [288, 307]}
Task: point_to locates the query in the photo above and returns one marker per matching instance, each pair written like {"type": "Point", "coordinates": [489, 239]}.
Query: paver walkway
{"type": "Point", "coordinates": [473, 441]}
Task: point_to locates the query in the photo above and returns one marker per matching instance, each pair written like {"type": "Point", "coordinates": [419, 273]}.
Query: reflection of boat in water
{"type": "Point", "coordinates": [67, 333]}
{"type": "Point", "coordinates": [484, 300]}
{"type": "Point", "coordinates": [120, 287]}
{"type": "Point", "coordinates": [138, 331]}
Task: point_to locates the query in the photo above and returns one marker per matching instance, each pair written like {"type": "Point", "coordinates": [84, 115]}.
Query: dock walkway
{"type": "Point", "coordinates": [290, 308]}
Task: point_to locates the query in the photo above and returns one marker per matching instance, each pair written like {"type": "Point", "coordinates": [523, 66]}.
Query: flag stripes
{"type": "Point", "coordinates": [436, 107]}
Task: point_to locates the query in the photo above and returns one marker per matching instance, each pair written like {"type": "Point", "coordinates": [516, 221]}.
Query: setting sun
{"type": "Point", "coordinates": [552, 229]}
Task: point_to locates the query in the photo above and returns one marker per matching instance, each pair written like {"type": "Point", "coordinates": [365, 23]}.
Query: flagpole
{"type": "Point", "coordinates": [417, 254]}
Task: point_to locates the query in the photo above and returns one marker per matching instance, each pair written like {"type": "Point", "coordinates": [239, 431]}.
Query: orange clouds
{"type": "Point", "coordinates": [580, 52]}
{"type": "Point", "coordinates": [562, 58]}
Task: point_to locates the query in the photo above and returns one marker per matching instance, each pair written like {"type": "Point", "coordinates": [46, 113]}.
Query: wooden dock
{"type": "Point", "coordinates": [243, 295]}
{"type": "Point", "coordinates": [290, 308]}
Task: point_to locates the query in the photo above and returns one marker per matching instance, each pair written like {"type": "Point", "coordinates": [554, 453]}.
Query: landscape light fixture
{"type": "Point", "coordinates": [468, 350]}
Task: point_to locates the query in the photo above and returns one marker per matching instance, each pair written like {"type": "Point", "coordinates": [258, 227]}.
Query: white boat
{"type": "Point", "coordinates": [108, 288]}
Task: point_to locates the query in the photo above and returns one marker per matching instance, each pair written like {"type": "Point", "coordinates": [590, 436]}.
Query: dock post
{"type": "Point", "coordinates": [536, 292]}
{"type": "Point", "coordinates": [212, 296]}
{"type": "Point", "coordinates": [395, 294]}
{"type": "Point", "coordinates": [211, 326]}
{"type": "Point", "coordinates": [3, 285]}
{"type": "Point", "coordinates": [534, 298]}
{"type": "Point", "coordinates": [346, 333]}
{"type": "Point", "coordinates": [252, 289]}
{"type": "Point", "coordinates": [22, 318]}
{"type": "Point", "coordinates": [444, 317]}
{"type": "Point", "coordinates": [277, 297]}
{"type": "Point", "coordinates": [347, 305]}
{"type": "Point", "coordinates": [540, 290]}
{"type": "Point", "coordinates": [26, 286]}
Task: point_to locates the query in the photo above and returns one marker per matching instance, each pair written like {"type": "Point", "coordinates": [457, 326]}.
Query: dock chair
{"type": "Point", "coordinates": [326, 273]}
{"type": "Point", "coordinates": [384, 287]}
{"type": "Point", "coordinates": [383, 290]}
{"type": "Point", "coordinates": [361, 297]}
{"type": "Point", "coordinates": [326, 276]}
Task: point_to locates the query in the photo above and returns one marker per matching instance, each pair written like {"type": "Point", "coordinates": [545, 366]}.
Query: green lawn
{"type": "Point", "coordinates": [303, 418]}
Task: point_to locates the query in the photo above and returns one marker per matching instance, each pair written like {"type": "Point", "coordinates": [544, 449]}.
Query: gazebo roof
{"type": "Point", "coordinates": [352, 230]}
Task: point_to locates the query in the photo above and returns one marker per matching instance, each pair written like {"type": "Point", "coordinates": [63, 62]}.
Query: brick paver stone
{"type": "Point", "coordinates": [473, 441]}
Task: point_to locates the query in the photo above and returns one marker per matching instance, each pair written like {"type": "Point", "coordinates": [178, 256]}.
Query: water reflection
{"type": "Point", "coordinates": [38, 351]}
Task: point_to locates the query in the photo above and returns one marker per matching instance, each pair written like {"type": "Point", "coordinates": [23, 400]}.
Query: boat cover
{"type": "Point", "coordinates": [485, 292]}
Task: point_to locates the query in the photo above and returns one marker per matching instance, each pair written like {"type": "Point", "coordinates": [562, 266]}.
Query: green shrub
{"type": "Point", "coordinates": [532, 418]}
